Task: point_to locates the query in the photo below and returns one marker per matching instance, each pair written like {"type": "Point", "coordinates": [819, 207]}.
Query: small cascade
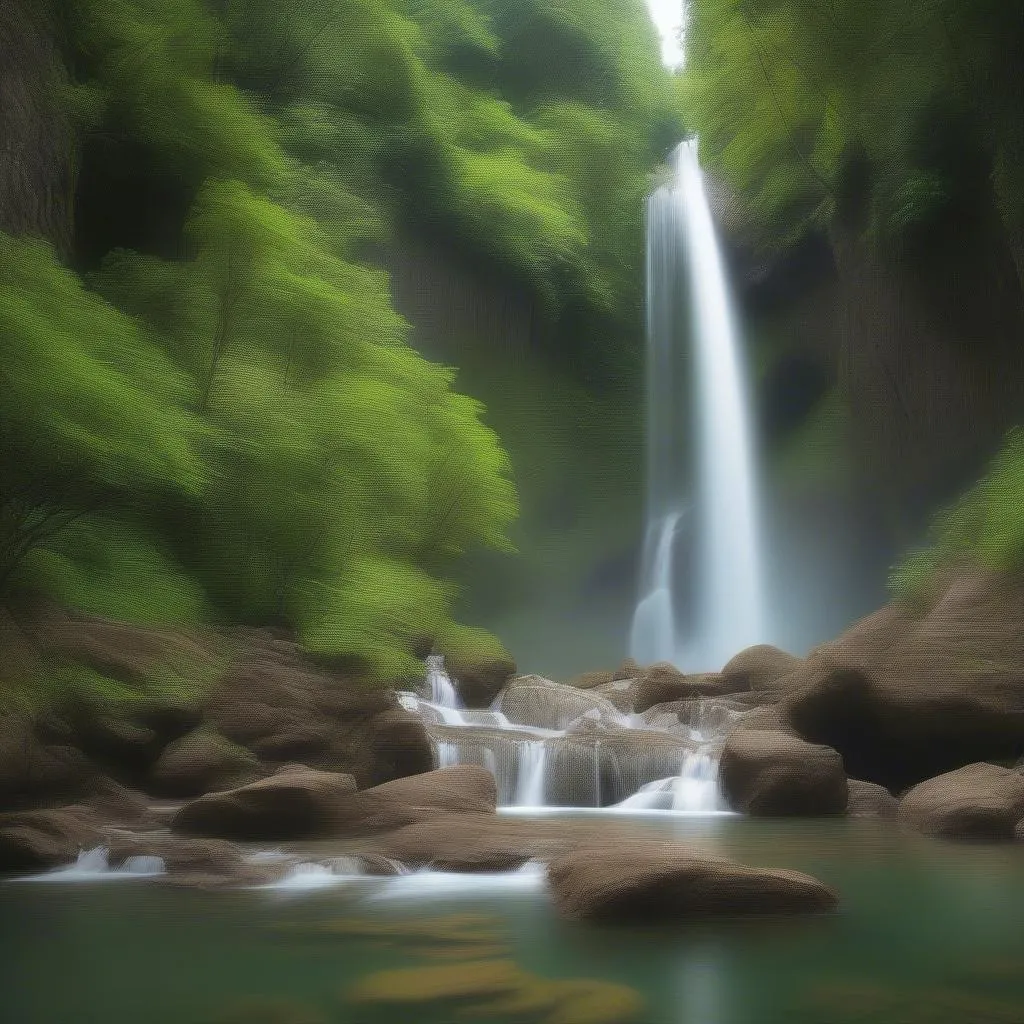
{"type": "Point", "coordinates": [553, 745]}
{"type": "Point", "coordinates": [530, 785]}
{"type": "Point", "coordinates": [442, 689]}
{"type": "Point", "coordinates": [94, 866]}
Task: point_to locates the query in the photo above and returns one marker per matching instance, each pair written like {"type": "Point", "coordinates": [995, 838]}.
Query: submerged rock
{"type": "Point", "coordinates": [772, 774]}
{"type": "Point", "coordinates": [667, 882]}
{"type": "Point", "coordinates": [978, 801]}
{"type": "Point", "coordinates": [405, 985]}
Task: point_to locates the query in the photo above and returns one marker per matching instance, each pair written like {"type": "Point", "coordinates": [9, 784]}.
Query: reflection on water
{"type": "Point", "coordinates": [922, 926]}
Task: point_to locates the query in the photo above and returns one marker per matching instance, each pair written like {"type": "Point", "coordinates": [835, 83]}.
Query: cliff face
{"type": "Point", "coordinates": [36, 166]}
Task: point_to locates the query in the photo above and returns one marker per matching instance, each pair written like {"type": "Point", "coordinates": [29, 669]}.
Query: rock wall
{"type": "Point", "coordinates": [36, 165]}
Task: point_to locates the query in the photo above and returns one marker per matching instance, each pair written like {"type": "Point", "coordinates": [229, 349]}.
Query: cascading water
{"type": "Point", "coordinates": [684, 257]}
{"type": "Point", "coordinates": [548, 744]}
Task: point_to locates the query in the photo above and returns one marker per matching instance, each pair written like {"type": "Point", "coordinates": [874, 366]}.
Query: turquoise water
{"type": "Point", "coordinates": [927, 932]}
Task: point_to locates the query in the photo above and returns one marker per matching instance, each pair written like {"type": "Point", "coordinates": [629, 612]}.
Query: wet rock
{"type": "Point", "coordinates": [200, 762]}
{"type": "Point", "coordinates": [869, 800]}
{"type": "Point", "coordinates": [979, 801]}
{"type": "Point", "coordinates": [655, 882]}
{"type": "Point", "coordinates": [298, 803]}
{"type": "Point", "coordinates": [760, 668]}
{"type": "Point", "coordinates": [770, 774]}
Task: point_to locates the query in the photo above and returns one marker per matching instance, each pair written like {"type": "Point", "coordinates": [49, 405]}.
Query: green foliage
{"type": "Point", "coordinates": [985, 526]}
{"type": "Point", "coordinates": [783, 94]}
{"type": "Point", "coordinates": [222, 419]}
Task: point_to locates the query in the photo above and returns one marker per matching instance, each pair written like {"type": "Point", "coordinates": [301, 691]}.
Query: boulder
{"type": "Point", "coordinates": [771, 774]}
{"type": "Point", "coordinates": [663, 683]}
{"type": "Point", "coordinates": [479, 681]}
{"type": "Point", "coordinates": [665, 882]}
{"type": "Point", "coordinates": [295, 803]}
{"type": "Point", "coordinates": [42, 839]}
{"type": "Point", "coordinates": [869, 800]}
{"type": "Point", "coordinates": [905, 697]}
{"type": "Point", "coordinates": [396, 746]}
{"type": "Point", "coordinates": [300, 802]}
{"type": "Point", "coordinates": [979, 801]}
{"type": "Point", "coordinates": [760, 668]}
{"type": "Point", "coordinates": [199, 762]}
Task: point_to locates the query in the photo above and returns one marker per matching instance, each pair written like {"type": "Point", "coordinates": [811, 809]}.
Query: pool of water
{"type": "Point", "coordinates": [927, 932]}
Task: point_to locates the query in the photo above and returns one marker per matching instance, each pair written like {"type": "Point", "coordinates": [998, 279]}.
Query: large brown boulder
{"type": "Point", "coordinates": [760, 668]}
{"type": "Point", "coordinates": [281, 706]}
{"type": "Point", "coordinates": [663, 683]}
{"type": "Point", "coordinates": [978, 801]}
{"type": "Point", "coordinates": [664, 882]}
{"type": "Point", "coordinates": [772, 774]}
{"type": "Point", "coordinates": [300, 802]}
{"type": "Point", "coordinates": [905, 696]}
{"type": "Point", "coordinates": [200, 762]}
{"type": "Point", "coordinates": [296, 803]}
{"type": "Point", "coordinates": [41, 839]}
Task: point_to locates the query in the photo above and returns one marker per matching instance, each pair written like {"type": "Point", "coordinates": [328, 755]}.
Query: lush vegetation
{"type": "Point", "coordinates": [879, 116]}
{"type": "Point", "coordinates": [209, 408]}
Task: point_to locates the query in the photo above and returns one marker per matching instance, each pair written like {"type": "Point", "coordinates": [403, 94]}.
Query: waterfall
{"type": "Point", "coordinates": [442, 690]}
{"type": "Point", "coordinates": [684, 257]}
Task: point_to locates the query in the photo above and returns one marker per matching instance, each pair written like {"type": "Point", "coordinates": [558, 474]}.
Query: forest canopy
{"type": "Point", "coordinates": [209, 407]}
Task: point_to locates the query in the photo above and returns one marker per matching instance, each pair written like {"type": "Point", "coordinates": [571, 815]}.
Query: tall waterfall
{"type": "Point", "coordinates": [684, 260]}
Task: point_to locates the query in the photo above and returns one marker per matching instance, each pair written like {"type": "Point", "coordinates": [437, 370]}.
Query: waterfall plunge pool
{"type": "Point", "coordinates": [926, 932]}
